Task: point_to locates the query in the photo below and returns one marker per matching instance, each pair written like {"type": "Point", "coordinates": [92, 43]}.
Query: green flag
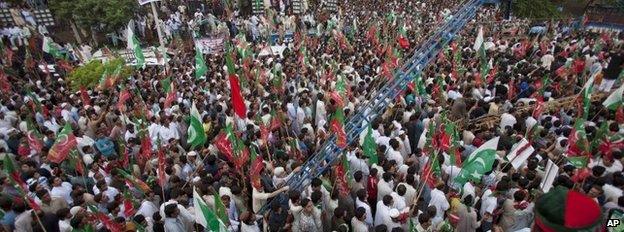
{"type": "Point", "coordinates": [200, 64]}
{"type": "Point", "coordinates": [369, 147]}
{"type": "Point", "coordinates": [615, 99]}
{"type": "Point", "coordinates": [479, 162]}
{"type": "Point", "coordinates": [220, 209]}
{"type": "Point", "coordinates": [206, 217]}
{"type": "Point", "coordinates": [135, 46]}
{"type": "Point", "coordinates": [196, 134]}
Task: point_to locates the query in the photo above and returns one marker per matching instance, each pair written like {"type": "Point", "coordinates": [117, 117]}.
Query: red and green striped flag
{"type": "Point", "coordinates": [138, 184]}
{"type": "Point", "coordinates": [13, 172]}
{"type": "Point", "coordinates": [337, 127]}
{"type": "Point", "coordinates": [34, 137]}
{"type": "Point", "coordinates": [578, 150]}
{"type": "Point", "coordinates": [65, 142]}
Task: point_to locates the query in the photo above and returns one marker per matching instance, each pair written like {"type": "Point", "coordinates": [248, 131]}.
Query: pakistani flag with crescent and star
{"type": "Point", "coordinates": [196, 134]}
{"type": "Point", "coordinates": [479, 162]}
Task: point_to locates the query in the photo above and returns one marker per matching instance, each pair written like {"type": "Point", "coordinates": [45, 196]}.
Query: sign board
{"type": "Point", "coordinates": [143, 2]}
{"type": "Point", "coordinates": [210, 45]}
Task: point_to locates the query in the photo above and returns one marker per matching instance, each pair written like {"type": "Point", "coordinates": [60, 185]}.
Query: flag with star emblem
{"type": "Point", "coordinates": [479, 162]}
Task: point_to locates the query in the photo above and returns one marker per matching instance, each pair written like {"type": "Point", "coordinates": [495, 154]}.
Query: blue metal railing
{"type": "Point", "coordinates": [364, 114]}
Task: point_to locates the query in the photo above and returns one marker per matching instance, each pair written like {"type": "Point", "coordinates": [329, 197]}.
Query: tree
{"type": "Point", "coordinates": [536, 9]}
{"type": "Point", "coordinates": [100, 15]}
{"type": "Point", "coordinates": [89, 74]}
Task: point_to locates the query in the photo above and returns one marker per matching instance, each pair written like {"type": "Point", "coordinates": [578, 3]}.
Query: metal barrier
{"type": "Point", "coordinates": [358, 122]}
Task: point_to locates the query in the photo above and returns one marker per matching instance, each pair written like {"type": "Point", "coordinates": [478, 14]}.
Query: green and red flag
{"type": "Point", "coordinates": [34, 137]}
{"type": "Point", "coordinates": [257, 163]}
{"type": "Point", "coordinates": [14, 174]}
{"type": "Point", "coordinates": [228, 143]}
{"type": "Point", "coordinates": [337, 127]}
{"type": "Point", "coordinates": [341, 179]}
{"type": "Point", "coordinates": [108, 223]}
{"type": "Point", "coordinates": [65, 142]}
{"type": "Point", "coordinates": [578, 149]}
{"type": "Point", "coordinates": [137, 183]}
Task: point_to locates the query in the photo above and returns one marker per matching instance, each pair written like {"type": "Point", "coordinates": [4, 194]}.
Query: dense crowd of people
{"type": "Point", "coordinates": [508, 128]}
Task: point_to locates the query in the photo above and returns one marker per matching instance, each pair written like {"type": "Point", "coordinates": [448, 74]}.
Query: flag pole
{"type": "Point", "coordinates": [158, 30]}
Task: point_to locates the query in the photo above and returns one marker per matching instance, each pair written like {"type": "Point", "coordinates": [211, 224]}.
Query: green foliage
{"type": "Point", "coordinates": [89, 75]}
{"type": "Point", "coordinates": [110, 14]}
{"type": "Point", "coordinates": [535, 9]}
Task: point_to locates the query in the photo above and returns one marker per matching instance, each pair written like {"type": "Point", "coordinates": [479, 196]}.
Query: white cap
{"type": "Point", "coordinates": [191, 153]}
{"type": "Point", "coordinates": [394, 213]}
{"type": "Point", "coordinates": [278, 171]}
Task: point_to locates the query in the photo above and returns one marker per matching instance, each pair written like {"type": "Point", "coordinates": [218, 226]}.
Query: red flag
{"type": "Point", "coordinates": [126, 158]}
{"type": "Point", "coordinates": [124, 95]}
{"type": "Point", "coordinates": [86, 100]}
{"type": "Point", "coordinates": [129, 209]}
{"type": "Point", "coordinates": [341, 181]}
{"type": "Point", "coordinates": [341, 136]}
{"type": "Point", "coordinates": [161, 168]}
{"type": "Point", "coordinates": [254, 171]}
{"type": "Point", "coordinates": [264, 133]}
{"type": "Point", "coordinates": [404, 43]}
{"type": "Point", "coordinates": [224, 145]}
{"type": "Point", "coordinates": [539, 109]}
{"type": "Point", "coordinates": [429, 176]}
{"type": "Point", "coordinates": [146, 147]}
{"type": "Point", "coordinates": [5, 85]}
{"type": "Point", "coordinates": [580, 175]}
{"type": "Point", "coordinates": [33, 141]}
{"type": "Point", "coordinates": [108, 223]}
{"type": "Point", "coordinates": [171, 96]}
{"type": "Point", "coordinates": [619, 115]}
{"type": "Point", "coordinates": [237, 98]}
{"type": "Point", "coordinates": [492, 74]}
{"type": "Point", "coordinates": [337, 98]}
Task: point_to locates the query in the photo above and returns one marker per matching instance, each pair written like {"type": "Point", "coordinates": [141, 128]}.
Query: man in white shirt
{"type": "Point", "coordinates": [438, 199]}
{"type": "Point", "coordinates": [362, 202]}
{"type": "Point", "coordinates": [358, 222]}
{"type": "Point", "coordinates": [62, 190]}
{"type": "Point", "coordinates": [259, 197]}
{"type": "Point", "coordinates": [383, 210]}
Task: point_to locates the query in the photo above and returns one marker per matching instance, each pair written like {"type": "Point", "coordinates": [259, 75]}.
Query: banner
{"type": "Point", "coordinates": [143, 2]}
{"type": "Point", "coordinates": [210, 45]}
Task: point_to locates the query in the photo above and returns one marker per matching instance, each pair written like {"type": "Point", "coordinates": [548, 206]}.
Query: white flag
{"type": "Point", "coordinates": [479, 40]}
{"type": "Point", "coordinates": [552, 170]}
{"type": "Point", "coordinates": [520, 153]}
